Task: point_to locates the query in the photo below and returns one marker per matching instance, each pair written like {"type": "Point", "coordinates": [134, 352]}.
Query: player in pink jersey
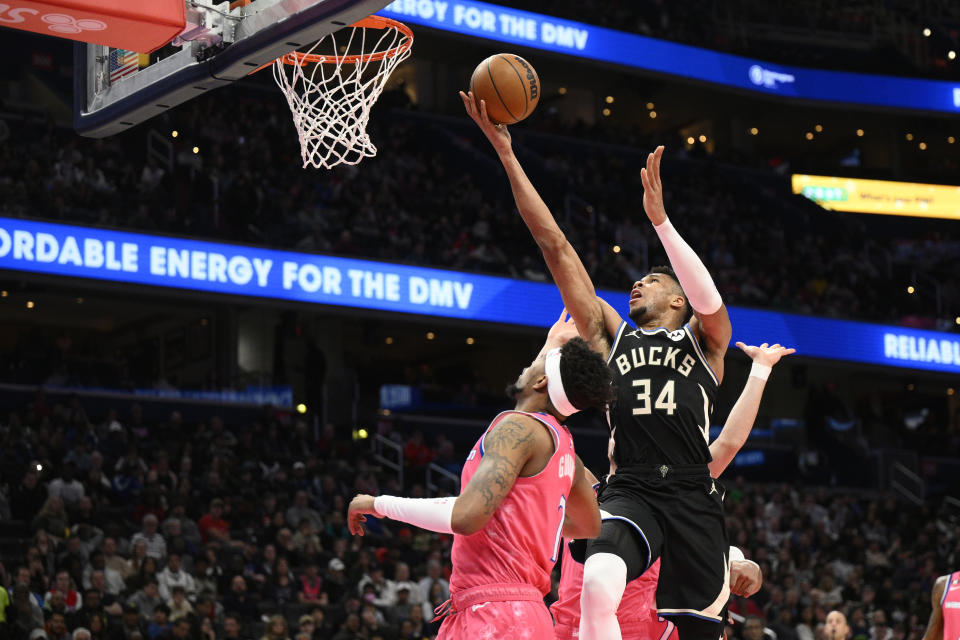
{"type": "Point", "coordinates": [523, 488]}
{"type": "Point", "coordinates": [637, 613]}
{"type": "Point", "coordinates": [945, 618]}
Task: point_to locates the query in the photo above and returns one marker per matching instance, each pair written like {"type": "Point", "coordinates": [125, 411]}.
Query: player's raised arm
{"type": "Point", "coordinates": [935, 625]}
{"type": "Point", "coordinates": [711, 323]}
{"type": "Point", "coordinates": [740, 421]}
{"type": "Point", "coordinates": [507, 448]}
{"type": "Point", "coordinates": [582, 517]}
{"type": "Point", "coordinates": [576, 288]}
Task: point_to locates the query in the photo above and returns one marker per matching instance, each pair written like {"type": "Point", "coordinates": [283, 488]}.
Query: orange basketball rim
{"type": "Point", "coordinates": [370, 22]}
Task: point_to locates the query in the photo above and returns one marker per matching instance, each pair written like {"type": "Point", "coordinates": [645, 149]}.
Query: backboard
{"type": "Point", "coordinates": [116, 89]}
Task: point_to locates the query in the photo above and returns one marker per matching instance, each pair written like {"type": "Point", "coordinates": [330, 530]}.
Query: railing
{"type": "Point", "coordinates": [950, 508]}
{"type": "Point", "coordinates": [432, 487]}
{"type": "Point", "coordinates": [907, 483]}
{"type": "Point", "coordinates": [380, 446]}
{"type": "Point", "coordinates": [159, 148]}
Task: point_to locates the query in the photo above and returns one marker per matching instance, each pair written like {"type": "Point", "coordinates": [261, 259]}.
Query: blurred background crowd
{"type": "Point", "coordinates": [435, 196]}
{"type": "Point", "coordinates": [111, 527]}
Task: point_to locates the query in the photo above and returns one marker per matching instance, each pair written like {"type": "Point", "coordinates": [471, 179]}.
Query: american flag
{"type": "Point", "coordinates": [122, 63]}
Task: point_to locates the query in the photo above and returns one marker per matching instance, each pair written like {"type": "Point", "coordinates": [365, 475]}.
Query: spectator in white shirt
{"type": "Point", "coordinates": [113, 584]}
{"type": "Point", "coordinates": [434, 574]}
{"type": "Point", "coordinates": [66, 487]}
{"type": "Point", "coordinates": [156, 545]}
{"type": "Point", "coordinates": [174, 576]}
{"type": "Point", "coordinates": [401, 580]}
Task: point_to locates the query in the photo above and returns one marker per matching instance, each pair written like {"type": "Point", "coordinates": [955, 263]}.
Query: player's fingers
{"type": "Point", "coordinates": [789, 351]}
{"type": "Point", "coordinates": [483, 111]}
{"type": "Point", "coordinates": [656, 163]}
{"type": "Point", "coordinates": [563, 315]}
{"type": "Point", "coordinates": [643, 179]}
{"type": "Point", "coordinates": [468, 102]}
{"type": "Point", "coordinates": [740, 345]}
{"type": "Point", "coordinates": [741, 586]}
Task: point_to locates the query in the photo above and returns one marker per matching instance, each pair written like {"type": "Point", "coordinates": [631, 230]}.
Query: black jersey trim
{"type": "Point", "coordinates": [703, 358]}
{"type": "Point", "coordinates": [616, 340]}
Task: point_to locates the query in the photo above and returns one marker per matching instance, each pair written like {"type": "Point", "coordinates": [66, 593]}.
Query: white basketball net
{"type": "Point", "coordinates": [331, 98]}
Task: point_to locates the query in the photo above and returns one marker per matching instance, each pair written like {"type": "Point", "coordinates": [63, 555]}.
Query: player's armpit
{"type": "Point", "coordinates": [506, 449]}
{"type": "Point", "coordinates": [935, 625]}
{"type": "Point", "coordinates": [582, 518]}
{"type": "Point", "coordinates": [713, 332]}
{"type": "Point", "coordinates": [611, 324]}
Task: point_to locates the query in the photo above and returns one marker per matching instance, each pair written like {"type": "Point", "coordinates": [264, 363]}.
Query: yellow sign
{"type": "Point", "coordinates": [880, 196]}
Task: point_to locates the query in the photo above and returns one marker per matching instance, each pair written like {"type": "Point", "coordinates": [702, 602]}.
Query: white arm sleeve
{"type": "Point", "coordinates": [433, 514]}
{"type": "Point", "coordinates": [691, 272]}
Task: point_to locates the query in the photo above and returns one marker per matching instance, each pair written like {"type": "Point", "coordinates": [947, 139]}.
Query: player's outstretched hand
{"type": "Point", "coordinates": [745, 578]}
{"type": "Point", "coordinates": [497, 134]}
{"type": "Point", "coordinates": [360, 507]}
{"type": "Point", "coordinates": [768, 355]}
{"type": "Point", "coordinates": [562, 330]}
{"type": "Point", "coordinates": [653, 188]}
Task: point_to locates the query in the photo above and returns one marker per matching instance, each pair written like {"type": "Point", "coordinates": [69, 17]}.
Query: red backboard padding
{"type": "Point", "coordinates": [141, 26]}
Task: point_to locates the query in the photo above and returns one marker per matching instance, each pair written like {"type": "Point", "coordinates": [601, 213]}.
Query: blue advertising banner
{"type": "Point", "coordinates": [160, 261]}
{"type": "Point", "coordinates": [513, 26]}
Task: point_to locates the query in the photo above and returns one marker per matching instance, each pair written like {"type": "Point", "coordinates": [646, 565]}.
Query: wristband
{"type": "Point", "coordinates": [761, 371]}
{"type": "Point", "coordinates": [433, 514]}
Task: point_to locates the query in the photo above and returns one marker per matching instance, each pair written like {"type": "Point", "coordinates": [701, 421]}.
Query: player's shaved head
{"type": "Point", "coordinates": [836, 627]}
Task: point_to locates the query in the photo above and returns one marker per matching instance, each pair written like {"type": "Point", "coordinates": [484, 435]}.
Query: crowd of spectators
{"type": "Point", "coordinates": [434, 195]}
{"type": "Point", "coordinates": [123, 527]}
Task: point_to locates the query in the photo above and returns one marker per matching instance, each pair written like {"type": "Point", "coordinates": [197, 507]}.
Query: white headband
{"type": "Point", "coordinates": [555, 384]}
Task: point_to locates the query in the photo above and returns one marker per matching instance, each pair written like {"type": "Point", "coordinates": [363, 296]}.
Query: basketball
{"type": "Point", "coordinates": [509, 85]}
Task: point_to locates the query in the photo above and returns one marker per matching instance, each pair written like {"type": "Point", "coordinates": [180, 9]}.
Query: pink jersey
{"type": "Point", "coordinates": [950, 604]}
{"type": "Point", "coordinates": [520, 542]}
{"type": "Point", "coordinates": [637, 613]}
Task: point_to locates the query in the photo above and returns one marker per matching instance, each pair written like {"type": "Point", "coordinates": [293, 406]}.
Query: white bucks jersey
{"type": "Point", "coordinates": [665, 397]}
